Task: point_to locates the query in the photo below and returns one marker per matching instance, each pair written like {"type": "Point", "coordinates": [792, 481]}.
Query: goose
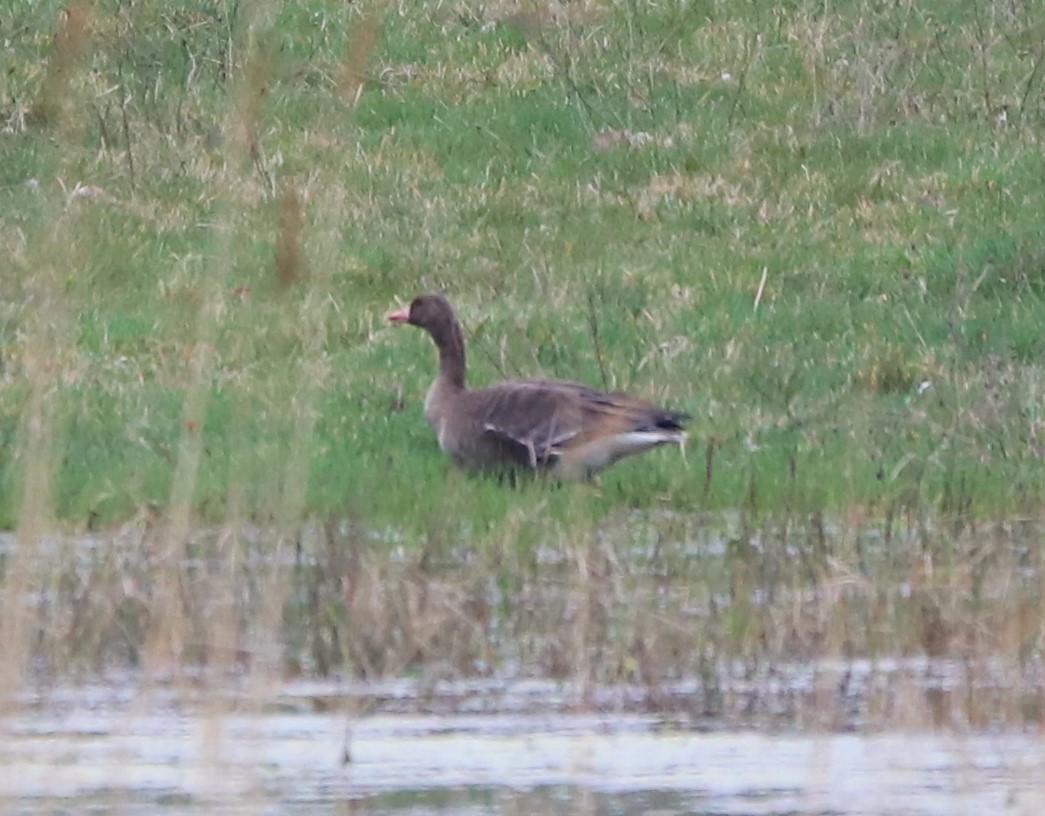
{"type": "Point", "coordinates": [565, 429]}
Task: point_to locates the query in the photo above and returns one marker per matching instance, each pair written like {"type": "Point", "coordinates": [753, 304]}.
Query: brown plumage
{"type": "Point", "coordinates": [565, 428]}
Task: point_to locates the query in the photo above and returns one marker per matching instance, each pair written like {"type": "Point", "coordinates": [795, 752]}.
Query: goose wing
{"type": "Point", "coordinates": [538, 421]}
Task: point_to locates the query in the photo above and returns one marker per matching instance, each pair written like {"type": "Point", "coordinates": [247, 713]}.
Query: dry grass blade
{"type": "Point", "coordinates": [361, 44]}
{"type": "Point", "coordinates": [244, 123]}
{"type": "Point", "coordinates": [43, 367]}
{"type": "Point", "coordinates": [290, 266]}
{"type": "Point", "coordinates": [70, 44]}
{"type": "Point", "coordinates": [35, 520]}
{"type": "Point", "coordinates": [168, 619]}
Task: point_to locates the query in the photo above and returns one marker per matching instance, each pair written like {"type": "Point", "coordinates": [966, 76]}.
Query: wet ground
{"type": "Point", "coordinates": [466, 749]}
{"type": "Point", "coordinates": [766, 729]}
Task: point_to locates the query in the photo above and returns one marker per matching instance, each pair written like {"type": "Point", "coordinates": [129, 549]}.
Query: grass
{"type": "Point", "coordinates": [816, 228]}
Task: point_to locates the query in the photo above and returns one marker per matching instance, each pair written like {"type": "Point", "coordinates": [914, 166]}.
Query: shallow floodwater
{"type": "Point", "coordinates": [105, 749]}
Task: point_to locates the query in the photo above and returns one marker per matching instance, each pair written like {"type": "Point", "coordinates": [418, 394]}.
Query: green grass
{"type": "Point", "coordinates": [850, 153]}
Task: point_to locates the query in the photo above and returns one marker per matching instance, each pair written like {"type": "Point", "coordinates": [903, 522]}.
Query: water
{"type": "Point", "coordinates": [115, 749]}
{"type": "Point", "coordinates": [777, 735]}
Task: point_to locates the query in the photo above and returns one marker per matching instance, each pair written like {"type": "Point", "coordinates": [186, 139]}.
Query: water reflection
{"type": "Point", "coordinates": [111, 749]}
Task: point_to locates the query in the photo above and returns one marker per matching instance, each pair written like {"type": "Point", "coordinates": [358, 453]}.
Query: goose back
{"type": "Point", "coordinates": [566, 428]}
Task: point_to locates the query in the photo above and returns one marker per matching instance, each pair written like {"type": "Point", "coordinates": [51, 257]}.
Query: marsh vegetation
{"type": "Point", "coordinates": [816, 228]}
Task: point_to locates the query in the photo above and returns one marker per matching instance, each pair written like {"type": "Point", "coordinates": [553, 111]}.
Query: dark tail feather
{"type": "Point", "coordinates": [671, 420]}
